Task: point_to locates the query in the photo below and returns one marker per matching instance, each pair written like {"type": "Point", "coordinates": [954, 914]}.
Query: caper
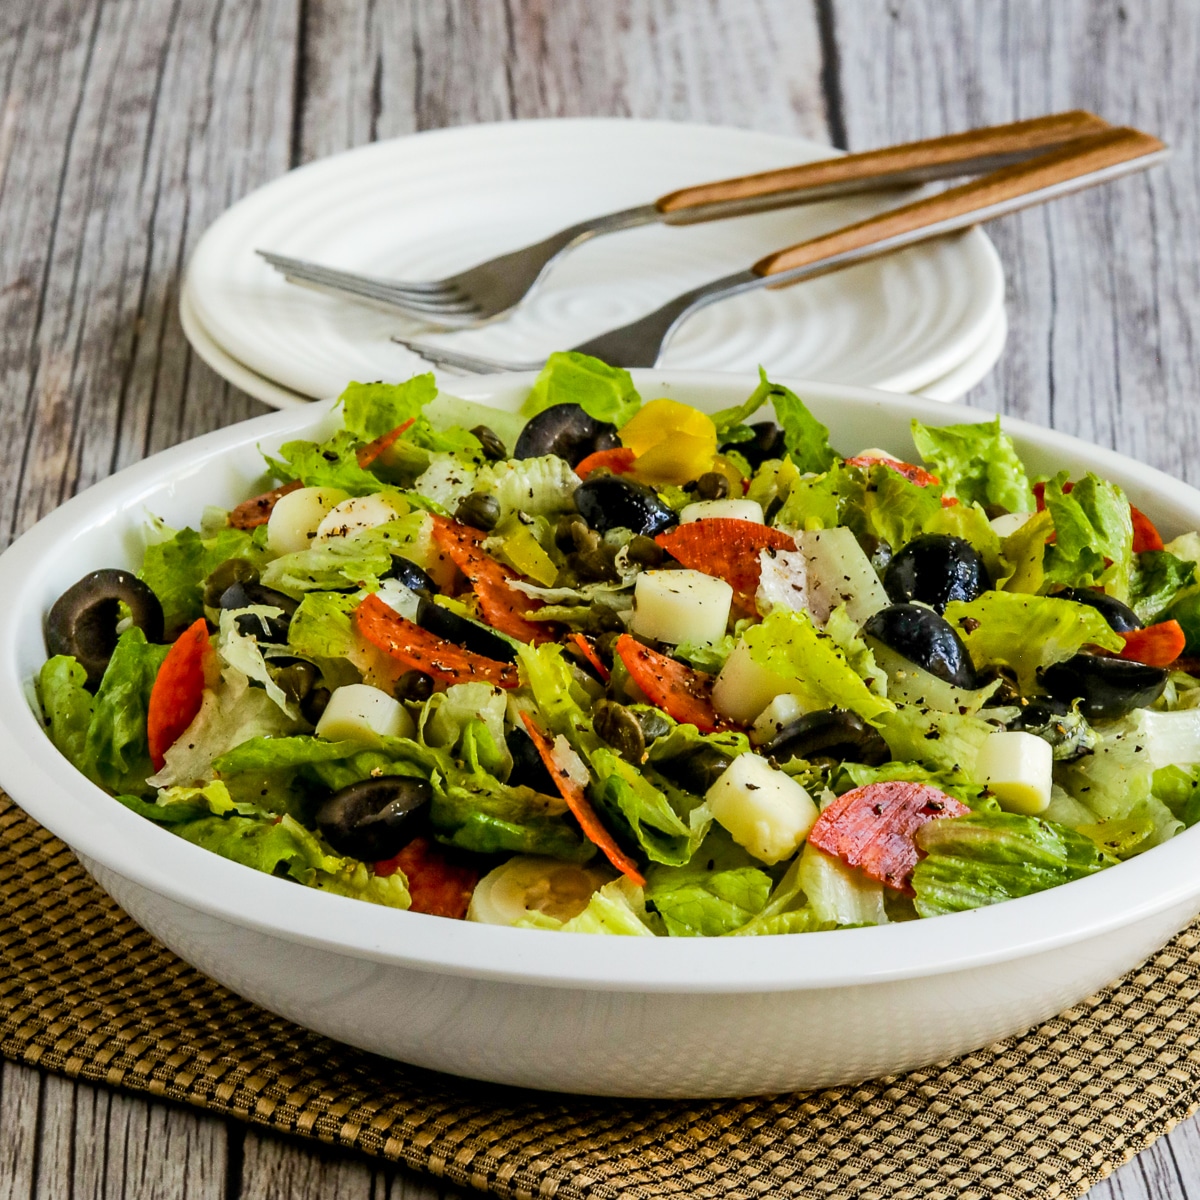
{"type": "Point", "coordinates": [478, 510]}
{"type": "Point", "coordinates": [414, 685]}
{"type": "Point", "coordinates": [594, 565]}
{"type": "Point", "coordinates": [712, 485]}
{"type": "Point", "coordinates": [231, 571]}
{"type": "Point", "coordinates": [490, 443]}
{"type": "Point", "coordinates": [644, 551]}
{"type": "Point", "coordinates": [606, 643]}
{"type": "Point", "coordinates": [616, 725]}
{"type": "Point", "coordinates": [313, 705]}
{"type": "Point", "coordinates": [567, 531]}
{"type": "Point", "coordinates": [653, 723]}
{"type": "Point", "coordinates": [296, 679]}
{"type": "Point", "coordinates": [606, 620]}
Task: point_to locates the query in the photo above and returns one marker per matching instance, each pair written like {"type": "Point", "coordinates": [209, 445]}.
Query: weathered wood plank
{"type": "Point", "coordinates": [20, 1088]}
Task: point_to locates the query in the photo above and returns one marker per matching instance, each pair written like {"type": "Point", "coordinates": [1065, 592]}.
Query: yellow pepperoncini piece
{"type": "Point", "coordinates": [674, 442]}
{"type": "Point", "coordinates": [524, 554]}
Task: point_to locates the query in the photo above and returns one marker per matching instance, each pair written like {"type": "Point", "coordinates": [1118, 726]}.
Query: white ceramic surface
{"type": "Point", "coordinates": [428, 205]}
{"type": "Point", "coordinates": [661, 1017]}
{"type": "Point", "coordinates": [949, 387]}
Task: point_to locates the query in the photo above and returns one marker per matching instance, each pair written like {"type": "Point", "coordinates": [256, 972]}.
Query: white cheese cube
{"type": "Point", "coordinates": [743, 688]}
{"type": "Point", "coordinates": [1009, 523]}
{"type": "Point", "coordinates": [680, 606]}
{"type": "Point", "coordinates": [295, 518]}
{"type": "Point", "coordinates": [1017, 767]}
{"type": "Point", "coordinates": [765, 811]}
{"type": "Point", "coordinates": [355, 516]}
{"type": "Point", "coordinates": [729, 510]}
{"type": "Point", "coordinates": [359, 712]}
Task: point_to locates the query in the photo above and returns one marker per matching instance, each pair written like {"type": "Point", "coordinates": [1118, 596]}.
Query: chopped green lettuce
{"type": "Point", "coordinates": [1024, 553]}
{"type": "Point", "coordinates": [1158, 579]}
{"type": "Point", "coordinates": [1179, 789]}
{"type": "Point", "coordinates": [804, 437]}
{"type": "Point", "coordinates": [837, 893]}
{"type": "Point", "coordinates": [976, 462]}
{"type": "Point", "coordinates": [787, 910]}
{"type": "Point", "coordinates": [892, 508]}
{"type": "Point", "coordinates": [787, 643]}
{"type": "Point", "coordinates": [983, 858]}
{"type": "Point", "coordinates": [369, 410]}
{"type": "Point", "coordinates": [1093, 535]}
{"type": "Point", "coordinates": [175, 569]}
{"type": "Point", "coordinates": [618, 908]}
{"type": "Point", "coordinates": [603, 392]}
{"type": "Point", "coordinates": [973, 795]}
{"type": "Point", "coordinates": [941, 741]}
{"type": "Point", "coordinates": [1027, 633]}
{"type": "Point", "coordinates": [332, 464]}
{"type": "Point", "coordinates": [699, 903]}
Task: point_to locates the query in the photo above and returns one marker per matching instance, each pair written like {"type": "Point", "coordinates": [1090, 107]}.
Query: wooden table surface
{"type": "Point", "coordinates": [127, 126]}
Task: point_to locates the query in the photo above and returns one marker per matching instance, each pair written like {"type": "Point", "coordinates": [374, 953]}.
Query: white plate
{"type": "Point", "coordinates": [947, 388]}
{"type": "Point", "coordinates": [625, 1016]}
{"type": "Point", "coordinates": [428, 205]}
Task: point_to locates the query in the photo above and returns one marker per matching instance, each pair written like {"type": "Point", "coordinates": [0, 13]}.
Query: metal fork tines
{"type": "Point", "coordinates": [1089, 161]}
{"type": "Point", "coordinates": [492, 288]}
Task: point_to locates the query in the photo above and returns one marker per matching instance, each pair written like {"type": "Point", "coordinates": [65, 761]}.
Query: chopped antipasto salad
{"type": "Point", "coordinates": [623, 666]}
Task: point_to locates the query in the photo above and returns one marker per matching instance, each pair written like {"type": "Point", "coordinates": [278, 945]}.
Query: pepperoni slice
{"type": "Point", "coordinates": [178, 691]}
{"type": "Point", "coordinates": [682, 692]}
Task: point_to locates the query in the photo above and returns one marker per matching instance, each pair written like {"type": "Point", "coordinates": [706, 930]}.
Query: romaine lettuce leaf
{"type": "Point", "coordinates": [616, 908]}
{"type": "Point", "coordinates": [892, 508]}
{"type": "Point", "coordinates": [1093, 535]}
{"type": "Point", "coordinates": [789, 644]}
{"type": "Point", "coordinates": [1158, 579]}
{"type": "Point", "coordinates": [786, 910]}
{"type": "Point", "coordinates": [603, 392]}
{"type": "Point", "coordinates": [1027, 633]}
{"type": "Point", "coordinates": [819, 501]}
{"type": "Point", "coordinates": [468, 719]}
{"type": "Point", "coordinates": [941, 741]}
{"type": "Point", "coordinates": [975, 462]}
{"type": "Point", "coordinates": [333, 464]}
{"type": "Point", "coordinates": [369, 410]}
{"type": "Point", "coordinates": [805, 438]}
{"type": "Point", "coordinates": [1024, 553]}
{"type": "Point", "coordinates": [698, 903]}
{"type": "Point", "coordinates": [974, 795]}
{"type": "Point", "coordinates": [730, 419]}
{"type": "Point", "coordinates": [837, 893]}
{"type": "Point", "coordinates": [985, 858]}
{"type": "Point", "coordinates": [175, 569]}
{"type": "Point", "coordinates": [1179, 789]}
{"type": "Point", "coordinates": [66, 707]}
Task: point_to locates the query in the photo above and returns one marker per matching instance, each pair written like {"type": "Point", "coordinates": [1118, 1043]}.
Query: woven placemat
{"type": "Point", "coordinates": [84, 992]}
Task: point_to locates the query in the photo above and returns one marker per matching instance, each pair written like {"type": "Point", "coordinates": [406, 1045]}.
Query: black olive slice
{"type": "Point", "coordinates": [934, 569]}
{"type": "Point", "coordinates": [476, 638]}
{"type": "Point", "coordinates": [528, 769]}
{"type": "Point", "coordinates": [83, 620]}
{"type": "Point", "coordinates": [832, 733]}
{"type": "Point", "coordinates": [1104, 687]}
{"type": "Point", "coordinates": [926, 639]}
{"type": "Point", "coordinates": [565, 430]}
{"type": "Point", "coordinates": [409, 574]}
{"type": "Point", "coordinates": [265, 629]}
{"type": "Point", "coordinates": [376, 818]}
{"type": "Point", "coordinates": [1120, 617]}
{"type": "Point", "coordinates": [611, 502]}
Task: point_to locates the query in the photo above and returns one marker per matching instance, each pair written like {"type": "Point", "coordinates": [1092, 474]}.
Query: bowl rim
{"type": "Point", "coordinates": [51, 791]}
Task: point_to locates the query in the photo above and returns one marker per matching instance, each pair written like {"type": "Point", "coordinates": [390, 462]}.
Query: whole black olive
{"type": "Point", "coordinates": [415, 686]}
{"type": "Point", "coordinates": [926, 639]}
{"type": "Point", "coordinates": [313, 706]}
{"type": "Point", "coordinates": [766, 443]}
{"type": "Point", "coordinates": [489, 441]}
{"type": "Point", "coordinates": [409, 574]}
{"type": "Point", "coordinates": [231, 571]}
{"type": "Point", "coordinates": [265, 629]}
{"type": "Point", "coordinates": [565, 430]}
{"type": "Point", "coordinates": [832, 733]}
{"type": "Point", "coordinates": [1120, 617]}
{"type": "Point", "coordinates": [375, 818]}
{"type": "Point", "coordinates": [611, 502]}
{"type": "Point", "coordinates": [645, 551]}
{"type": "Point", "coordinates": [528, 770]}
{"type": "Point", "coordinates": [1104, 687]}
{"type": "Point", "coordinates": [695, 771]}
{"type": "Point", "coordinates": [476, 638]}
{"type": "Point", "coordinates": [936, 568]}
{"type": "Point", "coordinates": [615, 724]}
{"type": "Point", "coordinates": [83, 620]}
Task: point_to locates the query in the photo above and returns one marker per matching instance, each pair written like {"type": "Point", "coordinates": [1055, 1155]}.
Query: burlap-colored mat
{"type": "Point", "coordinates": [85, 992]}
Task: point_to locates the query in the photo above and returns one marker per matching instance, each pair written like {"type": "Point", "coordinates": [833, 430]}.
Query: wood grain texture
{"type": "Point", "coordinates": [127, 126]}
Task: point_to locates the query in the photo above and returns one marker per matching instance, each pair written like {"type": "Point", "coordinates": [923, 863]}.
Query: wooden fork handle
{"type": "Point", "coordinates": [893, 166]}
{"type": "Point", "coordinates": [1088, 160]}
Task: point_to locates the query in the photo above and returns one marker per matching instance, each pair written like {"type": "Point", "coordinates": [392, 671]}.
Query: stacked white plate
{"type": "Point", "coordinates": [929, 320]}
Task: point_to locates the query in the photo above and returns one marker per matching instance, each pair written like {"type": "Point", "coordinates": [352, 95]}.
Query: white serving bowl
{"type": "Point", "coordinates": [577, 1013]}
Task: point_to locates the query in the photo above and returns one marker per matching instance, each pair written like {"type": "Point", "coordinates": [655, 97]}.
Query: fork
{"type": "Point", "coordinates": [1081, 164]}
{"type": "Point", "coordinates": [492, 288]}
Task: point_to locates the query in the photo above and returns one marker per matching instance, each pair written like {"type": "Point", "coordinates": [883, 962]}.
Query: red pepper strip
{"type": "Point", "coordinates": [873, 827]}
{"type": "Point", "coordinates": [178, 691]}
{"type": "Point", "coordinates": [438, 886]}
{"type": "Point", "coordinates": [619, 461]}
{"type": "Point", "coordinates": [580, 806]}
{"type": "Point", "coordinates": [252, 513]}
{"type": "Point", "coordinates": [590, 654]}
{"type": "Point", "coordinates": [372, 450]}
{"type": "Point", "coordinates": [914, 474]}
{"type": "Point", "coordinates": [420, 650]}
{"type": "Point", "coordinates": [503, 607]}
{"type": "Point", "coordinates": [1145, 536]}
{"type": "Point", "coordinates": [683, 693]}
{"type": "Point", "coordinates": [728, 548]}
{"type": "Point", "coordinates": [1156, 645]}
